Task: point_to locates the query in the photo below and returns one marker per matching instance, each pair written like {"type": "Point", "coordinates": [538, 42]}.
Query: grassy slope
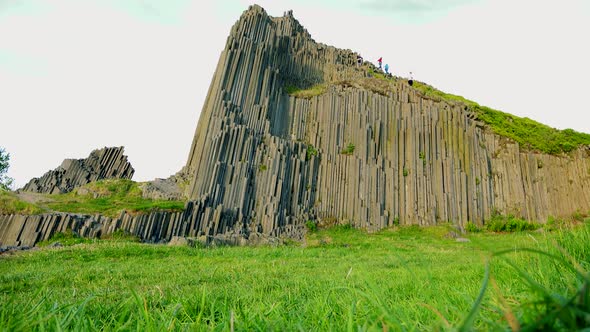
{"type": "Point", "coordinates": [11, 204]}
{"type": "Point", "coordinates": [344, 279]}
{"type": "Point", "coordinates": [107, 197]}
{"type": "Point", "coordinates": [531, 135]}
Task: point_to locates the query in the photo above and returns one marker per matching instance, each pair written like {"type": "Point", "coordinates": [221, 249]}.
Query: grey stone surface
{"type": "Point", "coordinates": [105, 163]}
{"type": "Point", "coordinates": [175, 228]}
{"type": "Point", "coordinates": [416, 160]}
{"type": "Point", "coordinates": [180, 241]}
{"type": "Point", "coordinates": [172, 188]}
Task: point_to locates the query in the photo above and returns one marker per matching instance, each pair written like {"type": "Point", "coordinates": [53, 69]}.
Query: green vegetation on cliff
{"type": "Point", "coordinates": [407, 278]}
{"type": "Point", "coordinates": [531, 135]}
{"type": "Point", "coordinates": [107, 197]}
{"type": "Point", "coordinates": [306, 93]}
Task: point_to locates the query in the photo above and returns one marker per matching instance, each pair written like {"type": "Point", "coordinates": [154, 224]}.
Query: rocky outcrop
{"type": "Point", "coordinates": [105, 163]}
{"type": "Point", "coordinates": [24, 231]}
{"type": "Point", "coordinates": [172, 188]}
{"type": "Point", "coordinates": [262, 160]}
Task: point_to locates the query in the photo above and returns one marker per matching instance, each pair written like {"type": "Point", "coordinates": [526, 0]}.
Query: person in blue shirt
{"type": "Point", "coordinates": [386, 68]}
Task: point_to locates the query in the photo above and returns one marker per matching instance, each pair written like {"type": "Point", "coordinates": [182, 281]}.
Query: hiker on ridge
{"type": "Point", "coordinates": [359, 60]}
{"type": "Point", "coordinates": [379, 61]}
{"type": "Point", "coordinates": [387, 69]}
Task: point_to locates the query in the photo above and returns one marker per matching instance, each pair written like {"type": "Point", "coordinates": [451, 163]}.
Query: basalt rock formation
{"type": "Point", "coordinates": [360, 149]}
{"type": "Point", "coordinates": [165, 189]}
{"type": "Point", "coordinates": [373, 156]}
{"type": "Point", "coordinates": [105, 163]}
{"type": "Point", "coordinates": [24, 231]}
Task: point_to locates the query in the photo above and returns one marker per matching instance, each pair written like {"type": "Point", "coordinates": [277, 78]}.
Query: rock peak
{"type": "Point", "coordinates": [105, 163]}
{"type": "Point", "coordinates": [255, 8]}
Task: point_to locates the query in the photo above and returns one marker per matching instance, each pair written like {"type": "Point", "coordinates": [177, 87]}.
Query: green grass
{"type": "Point", "coordinates": [501, 223]}
{"type": "Point", "coordinates": [349, 150]}
{"type": "Point", "coordinates": [342, 280]}
{"type": "Point", "coordinates": [311, 152]}
{"type": "Point", "coordinates": [306, 93]}
{"type": "Point", "coordinates": [107, 197]}
{"type": "Point", "coordinates": [11, 204]}
{"type": "Point", "coordinates": [374, 72]}
{"type": "Point", "coordinates": [531, 135]}
{"type": "Point", "coordinates": [67, 239]}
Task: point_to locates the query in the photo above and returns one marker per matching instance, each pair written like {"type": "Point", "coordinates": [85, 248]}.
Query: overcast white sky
{"type": "Point", "coordinates": [76, 75]}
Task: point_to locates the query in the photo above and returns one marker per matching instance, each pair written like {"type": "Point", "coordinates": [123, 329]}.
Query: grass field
{"type": "Point", "coordinates": [339, 279]}
{"type": "Point", "coordinates": [107, 197]}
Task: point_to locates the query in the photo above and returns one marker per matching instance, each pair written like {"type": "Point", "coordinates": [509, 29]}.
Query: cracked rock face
{"type": "Point", "coordinates": [171, 188]}
{"type": "Point", "coordinates": [105, 163]}
{"type": "Point", "coordinates": [265, 161]}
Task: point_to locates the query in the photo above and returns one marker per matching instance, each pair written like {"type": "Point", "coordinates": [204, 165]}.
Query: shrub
{"type": "Point", "coordinates": [5, 181]}
{"type": "Point", "coordinates": [311, 152]}
{"type": "Point", "coordinates": [578, 216]}
{"type": "Point", "coordinates": [471, 227]}
{"type": "Point", "coordinates": [500, 223]}
{"type": "Point", "coordinates": [311, 225]}
{"type": "Point", "coordinates": [349, 150]}
{"type": "Point", "coordinates": [552, 224]}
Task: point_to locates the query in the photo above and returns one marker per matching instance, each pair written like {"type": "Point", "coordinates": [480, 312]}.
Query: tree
{"type": "Point", "coordinates": [5, 181]}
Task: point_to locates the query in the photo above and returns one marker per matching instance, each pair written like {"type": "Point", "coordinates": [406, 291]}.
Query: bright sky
{"type": "Point", "coordinates": [76, 75]}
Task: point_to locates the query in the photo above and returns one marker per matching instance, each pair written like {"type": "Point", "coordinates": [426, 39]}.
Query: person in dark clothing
{"type": "Point", "coordinates": [359, 60]}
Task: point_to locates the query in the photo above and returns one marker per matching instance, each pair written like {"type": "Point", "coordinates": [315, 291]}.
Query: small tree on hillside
{"type": "Point", "coordinates": [5, 181]}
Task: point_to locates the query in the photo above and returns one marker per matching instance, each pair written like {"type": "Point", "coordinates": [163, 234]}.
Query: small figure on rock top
{"type": "Point", "coordinates": [387, 69]}
{"type": "Point", "coordinates": [380, 61]}
{"type": "Point", "coordinates": [359, 60]}
{"type": "Point", "coordinates": [411, 80]}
